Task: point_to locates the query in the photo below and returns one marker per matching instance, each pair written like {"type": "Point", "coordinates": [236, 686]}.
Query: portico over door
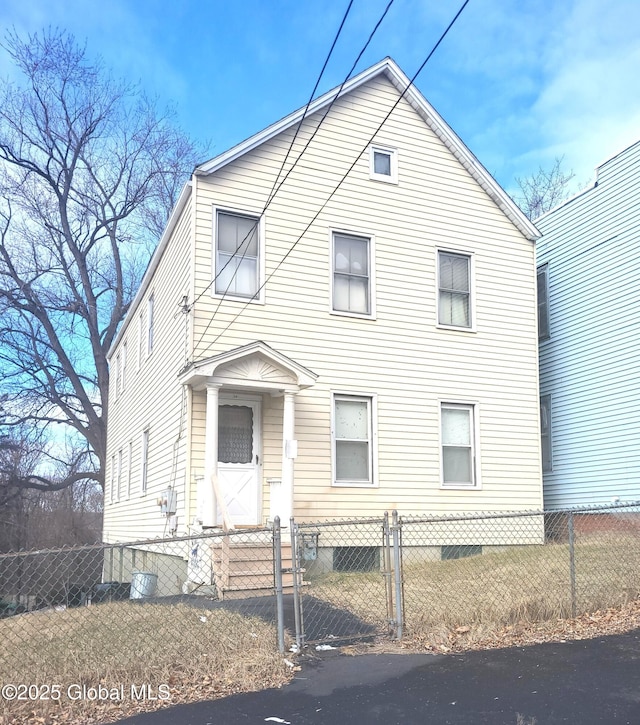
{"type": "Point", "coordinates": [240, 459]}
{"type": "Point", "coordinates": [236, 382]}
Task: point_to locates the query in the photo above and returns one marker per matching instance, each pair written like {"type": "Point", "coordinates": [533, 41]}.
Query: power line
{"type": "Point", "coordinates": [339, 184]}
{"type": "Point", "coordinates": [304, 115]}
{"type": "Point", "coordinates": [272, 193]}
{"type": "Point", "coordinates": [275, 189]}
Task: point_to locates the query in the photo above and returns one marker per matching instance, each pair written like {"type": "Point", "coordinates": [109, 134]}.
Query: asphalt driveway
{"type": "Point", "coordinates": [588, 682]}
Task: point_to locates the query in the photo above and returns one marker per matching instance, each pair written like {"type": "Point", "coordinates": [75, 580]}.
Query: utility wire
{"type": "Point", "coordinates": [271, 193]}
{"type": "Point", "coordinates": [304, 115]}
{"type": "Point", "coordinates": [339, 184]}
{"type": "Point", "coordinates": [277, 186]}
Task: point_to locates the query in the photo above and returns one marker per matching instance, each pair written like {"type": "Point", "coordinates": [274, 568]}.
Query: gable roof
{"type": "Point", "coordinates": [427, 112]}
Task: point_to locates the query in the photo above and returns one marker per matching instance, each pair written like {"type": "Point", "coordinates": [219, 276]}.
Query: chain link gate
{"type": "Point", "coordinates": [346, 580]}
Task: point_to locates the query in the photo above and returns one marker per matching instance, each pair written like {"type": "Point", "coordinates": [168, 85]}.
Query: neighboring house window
{"type": "Point", "coordinates": [383, 164]}
{"type": "Point", "coordinates": [351, 274]}
{"type": "Point", "coordinates": [543, 302]}
{"type": "Point", "coordinates": [145, 460]}
{"type": "Point", "coordinates": [545, 433]}
{"type": "Point", "coordinates": [150, 323]}
{"type": "Point", "coordinates": [458, 445]}
{"type": "Point", "coordinates": [454, 289]}
{"type": "Point", "coordinates": [237, 258]}
{"type": "Point", "coordinates": [353, 440]}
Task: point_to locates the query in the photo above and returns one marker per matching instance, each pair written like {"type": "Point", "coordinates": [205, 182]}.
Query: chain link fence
{"type": "Point", "coordinates": [343, 580]}
{"type": "Point", "coordinates": [211, 613]}
{"type": "Point", "coordinates": [423, 576]}
{"type": "Point", "coordinates": [184, 613]}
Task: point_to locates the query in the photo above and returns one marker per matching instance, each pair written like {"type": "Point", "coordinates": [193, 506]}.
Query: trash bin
{"type": "Point", "coordinates": [143, 584]}
{"type": "Point", "coordinates": [108, 592]}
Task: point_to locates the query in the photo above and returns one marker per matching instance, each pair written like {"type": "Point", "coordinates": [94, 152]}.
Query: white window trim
{"type": "Point", "coordinates": [112, 480]}
{"type": "Point", "coordinates": [118, 375]}
{"type": "Point", "coordinates": [151, 324]}
{"type": "Point", "coordinates": [260, 298]}
{"type": "Point", "coordinates": [373, 432]}
{"type": "Point", "coordinates": [472, 291]}
{"type": "Point", "coordinates": [475, 443]}
{"type": "Point", "coordinates": [393, 157]}
{"type": "Point", "coordinates": [372, 273]}
{"type": "Point", "coordinates": [124, 367]}
{"type": "Point", "coordinates": [544, 270]}
{"type": "Point", "coordinates": [144, 462]}
{"type": "Point", "coordinates": [140, 340]}
{"type": "Point", "coordinates": [129, 468]}
{"type": "Point", "coordinates": [549, 405]}
{"type": "Point", "coordinates": [119, 475]}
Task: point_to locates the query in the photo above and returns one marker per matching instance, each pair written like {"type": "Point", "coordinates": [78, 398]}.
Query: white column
{"type": "Point", "coordinates": [289, 452]}
{"type": "Point", "coordinates": [209, 504]}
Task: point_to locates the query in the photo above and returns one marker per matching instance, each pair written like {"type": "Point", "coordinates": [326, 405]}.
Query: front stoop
{"type": "Point", "coordinates": [246, 569]}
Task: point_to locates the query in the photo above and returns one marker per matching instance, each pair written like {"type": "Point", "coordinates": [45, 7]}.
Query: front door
{"type": "Point", "coordinates": [239, 459]}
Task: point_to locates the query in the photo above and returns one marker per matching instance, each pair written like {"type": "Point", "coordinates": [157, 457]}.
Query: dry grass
{"type": "Point", "coordinates": [193, 653]}
{"type": "Point", "coordinates": [480, 595]}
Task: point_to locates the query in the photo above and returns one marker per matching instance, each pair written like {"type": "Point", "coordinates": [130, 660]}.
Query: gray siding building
{"type": "Point", "coordinates": [589, 333]}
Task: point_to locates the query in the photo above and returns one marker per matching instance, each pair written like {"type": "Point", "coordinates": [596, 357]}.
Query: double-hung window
{"type": "Point", "coordinates": [353, 454]}
{"type": "Point", "coordinates": [237, 257]}
{"type": "Point", "coordinates": [351, 274]}
{"type": "Point", "coordinates": [112, 487]}
{"type": "Point", "coordinates": [543, 302]}
{"type": "Point", "coordinates": [545, 433]}
{"type": "Point", "coordinates": [454, 289]}
{"type": "Point", "coordinates": [144, 473]}
{"type": "Point", "coordinates": [150, 323]}
{"type": "Point", "coordinates": [457, 435]}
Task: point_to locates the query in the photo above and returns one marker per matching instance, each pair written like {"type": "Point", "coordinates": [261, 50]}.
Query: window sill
{"type": "Point", "coordinates": [353, 484]}
{"type": "Point", "coordinates": [238, 298]}
{"type": "Point", "coordinates": [384, 179]}
{"type": "Point", "coordinates": [460, 487]}
{"type": "Point", "coordinates": [356, 315]}
{"type": "Point", "coordinates": [455, 328]}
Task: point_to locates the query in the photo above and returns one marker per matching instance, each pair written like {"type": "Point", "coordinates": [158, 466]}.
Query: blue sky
{"type": "Point", "coordinates": [521, 81]}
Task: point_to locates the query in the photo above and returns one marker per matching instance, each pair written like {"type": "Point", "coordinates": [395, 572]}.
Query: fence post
{"type": "Point", "coordinates": [397, 567]}
{"type": "Point", "coordinates": [388, 583]}
{"type": "Point", "coordinates": [277, 549]}
{"type": "Point", "coordinates": [572, 563]}
{"type": "Point", "coordinates": [297, 602]}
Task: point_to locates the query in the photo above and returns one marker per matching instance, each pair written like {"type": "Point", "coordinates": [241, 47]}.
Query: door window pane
{"type": "Point", "coordinates": [235, 434]}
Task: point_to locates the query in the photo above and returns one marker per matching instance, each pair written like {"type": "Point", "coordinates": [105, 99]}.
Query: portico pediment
{"type": "Point", "coordinates": [255, 366]}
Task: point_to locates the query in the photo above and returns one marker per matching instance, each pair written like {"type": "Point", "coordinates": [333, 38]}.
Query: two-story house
{"type": "Point", "coordinates": [589, 364]}
{"type": "Point", "coordinates": [340, 319]}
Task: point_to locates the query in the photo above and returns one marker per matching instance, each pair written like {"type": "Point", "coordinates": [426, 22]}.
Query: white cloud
{"type": "Point", "coordinates": [588, 106]}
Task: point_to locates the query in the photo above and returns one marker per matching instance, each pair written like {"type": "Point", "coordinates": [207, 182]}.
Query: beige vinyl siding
{"type": "Point", "coordinates": [401, 355]}
{"type": "Point", "coordinates": [154, 400]}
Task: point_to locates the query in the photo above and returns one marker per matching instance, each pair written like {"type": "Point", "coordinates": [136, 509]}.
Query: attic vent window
{"type": "Point", "coordinates": [383, 164]}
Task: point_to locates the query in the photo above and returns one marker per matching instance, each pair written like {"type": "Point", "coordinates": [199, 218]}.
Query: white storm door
{"type": "Point", "coordinates": [239, 459]}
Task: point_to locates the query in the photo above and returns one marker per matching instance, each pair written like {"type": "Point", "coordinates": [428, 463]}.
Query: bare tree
{"type": "Point", "coordinates": [543, 190]}
{"type": "Point", "coordinates": [88, 174]}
